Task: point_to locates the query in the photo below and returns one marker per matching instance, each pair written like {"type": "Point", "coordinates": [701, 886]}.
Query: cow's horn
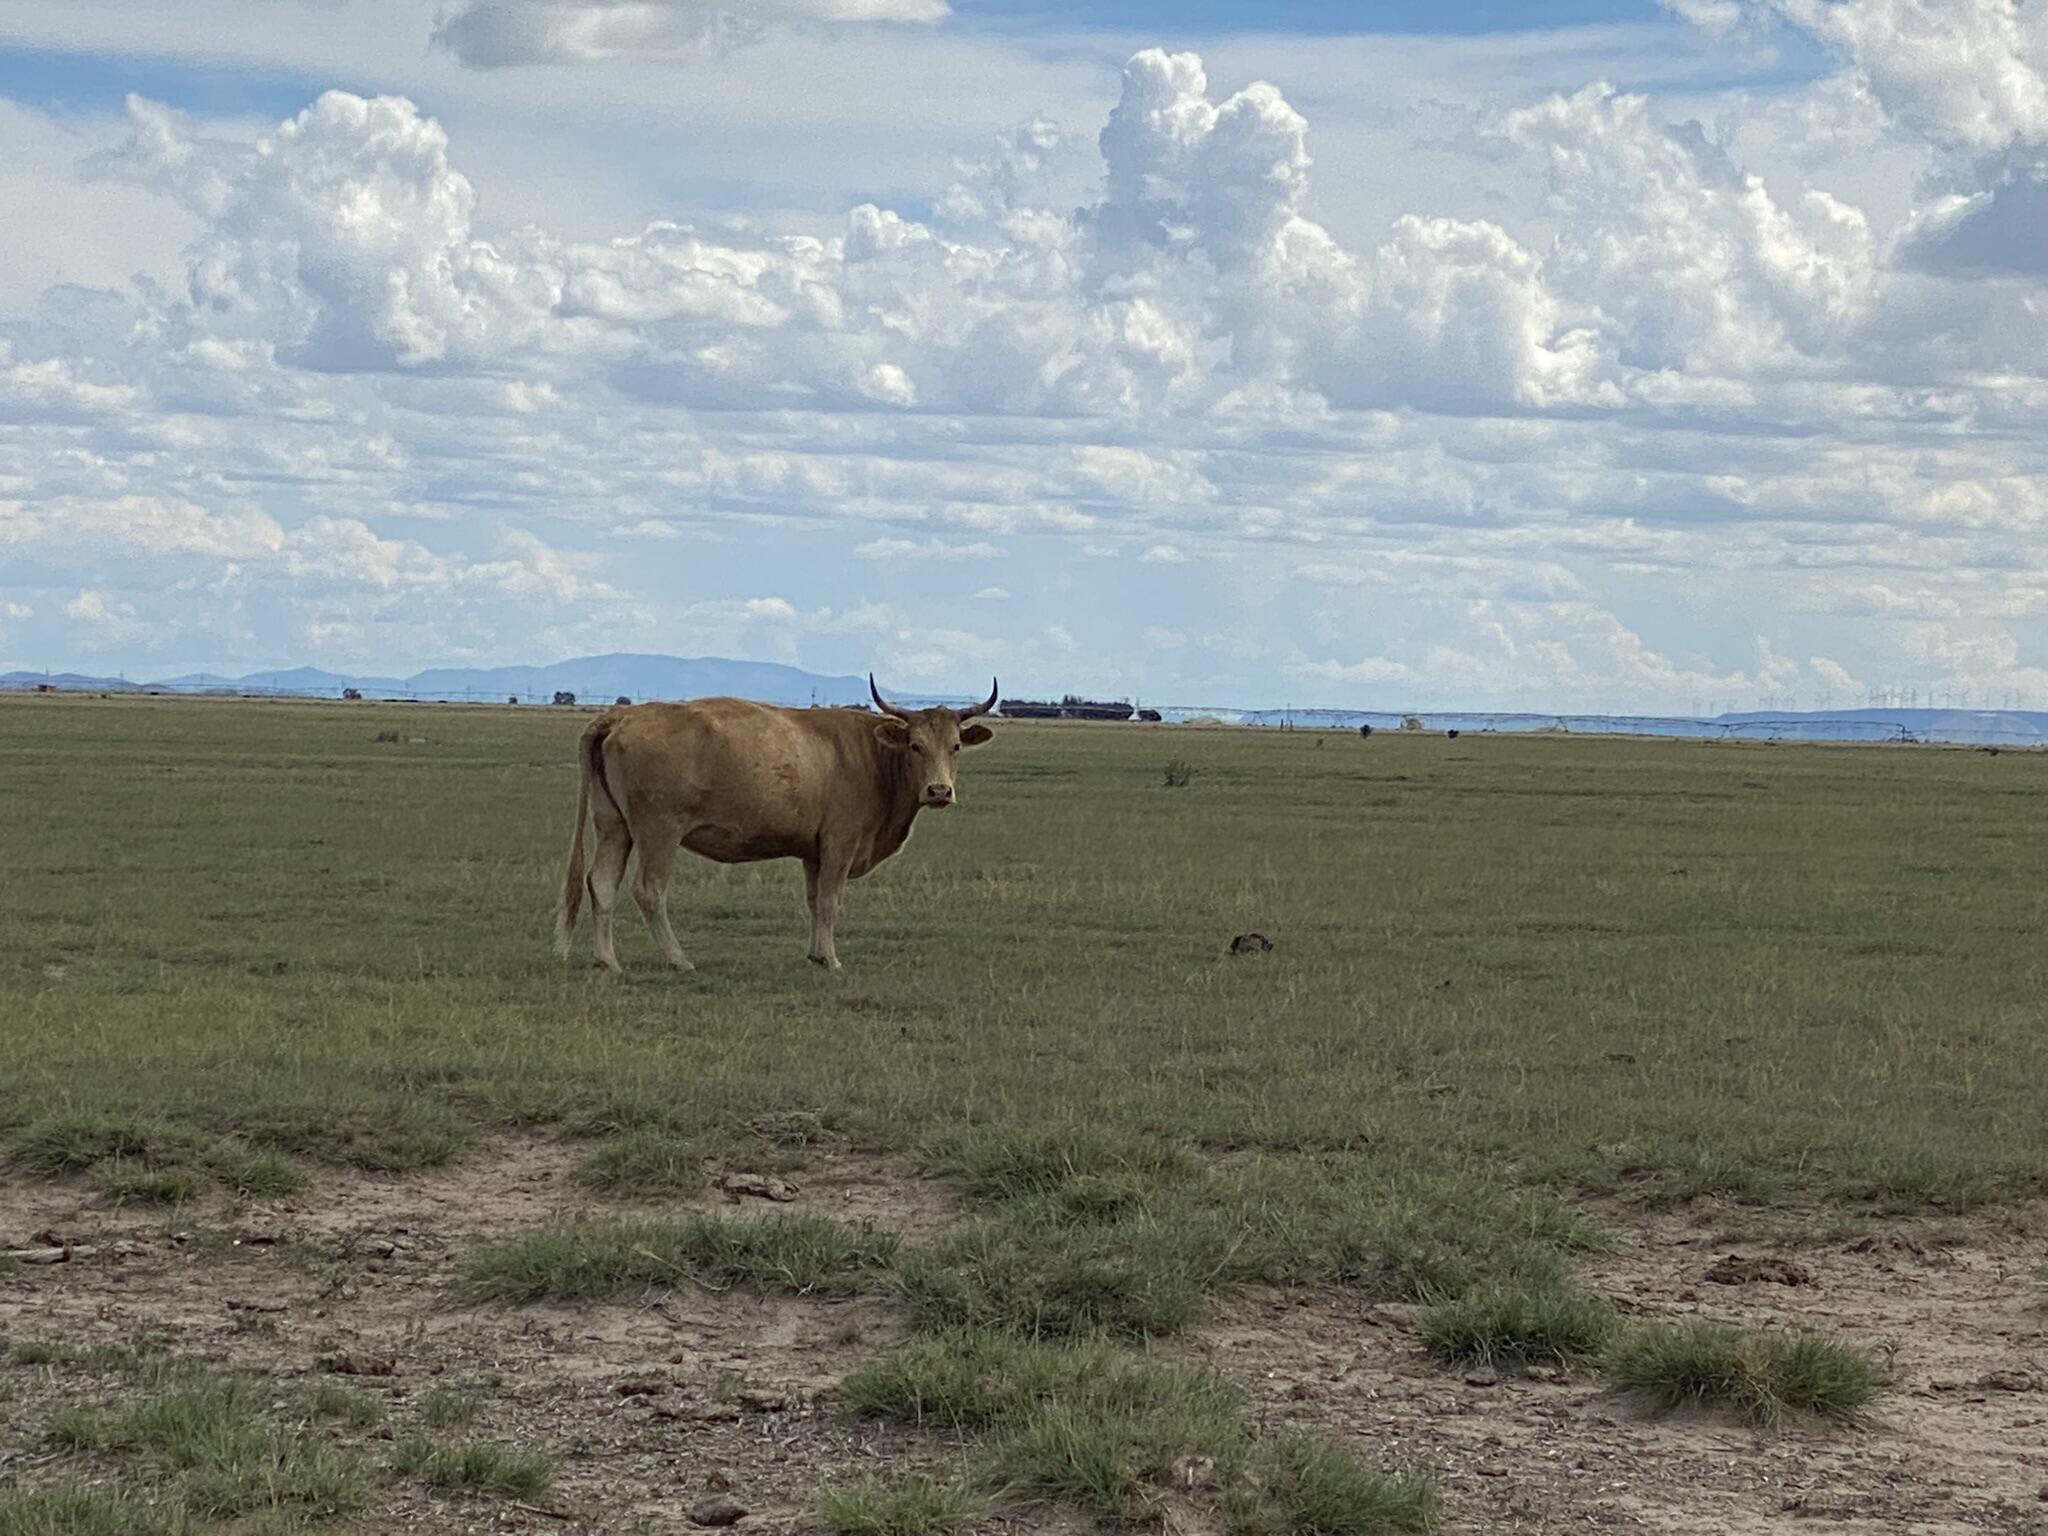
{"type": "Point", "coordinates": [883, 704]}
{"type": "Point", "coordinates": [984, 706]}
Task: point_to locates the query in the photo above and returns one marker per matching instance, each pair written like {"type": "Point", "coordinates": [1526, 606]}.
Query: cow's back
{"type": "Point", "coordinates": [737, 779]}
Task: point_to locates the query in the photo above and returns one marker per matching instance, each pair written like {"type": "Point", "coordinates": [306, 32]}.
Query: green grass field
{"type": "Point", "coordinates": [1547, 961]}
{"type": "Point", "coordinates": [241, 944]}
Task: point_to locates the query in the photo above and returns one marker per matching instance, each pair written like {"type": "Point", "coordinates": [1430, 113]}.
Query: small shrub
{"type": "Point", "coordinates": [916, 1505]}
{"type": "Point", "coordinates": [388, 737]}
{"type": "Point", "coordinates": [1179, 774]}
{"type": "Point", "coordinates": [1507, 1325]}
{"type": "Point", "coordinates": [1761, 1376]}
{"type": "Point", "coordinates": [450, 1407]}
{"type": "Point", "coordinates": [475, 1468]}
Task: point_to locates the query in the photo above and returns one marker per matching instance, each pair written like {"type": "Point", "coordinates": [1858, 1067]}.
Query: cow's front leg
{"type": "Point", "coordinates": [821, 891]}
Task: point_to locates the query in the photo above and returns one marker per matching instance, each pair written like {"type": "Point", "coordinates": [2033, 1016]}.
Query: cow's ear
{"type": "Point", "coordinates": [892, 733]}
{"type": "Point", "coordinates": [975, 735]}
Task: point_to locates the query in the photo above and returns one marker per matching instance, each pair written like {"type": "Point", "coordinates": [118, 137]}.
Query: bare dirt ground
{"type": "Point", "coordinates": [648, 1403]}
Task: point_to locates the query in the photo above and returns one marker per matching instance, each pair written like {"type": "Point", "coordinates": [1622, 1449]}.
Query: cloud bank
{"type": "Point", "coordinates": [1651, 439]}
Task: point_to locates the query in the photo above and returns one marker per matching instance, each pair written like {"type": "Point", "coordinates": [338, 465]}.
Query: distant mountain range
{"type": "Point", "coordinates": [600, 679]}
{"type": "Point", "coordinates": [593, 679]}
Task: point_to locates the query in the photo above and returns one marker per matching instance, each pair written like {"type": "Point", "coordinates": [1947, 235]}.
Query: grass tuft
{"type": "Point", "coordinates": [85, 1511]}
{"type": "Point", "coordinates": [1115, 1434]}
{"type": "Point", "coordinates": [1062, 1282]}
{"type": "Point", "coordinates": [265, 1175]}
{"type": "Point", "coordinates": [799, 1254]}
{"type": "Point", "coordinates": [131, 1183]}
{"type": "Point", "coordinates": [1305, 1487]}
{"type": "Point", "coordinates": [917, 1504]}
{"type": "Point", "coordinates": [397, 1134]}
{"type": "Point", "coordinates": [208, 1434]}
{"type": "Point", "coordinates": [1015, 1163]}
{"type": "Point", "coordinates": [1761, 1376]}
{"type": "Point", "coordinates": [73, 1143]}
{"type": "Point", "coordinates": [75, 1427]}
{"type": "Point", "coordinates": [475, 1468]}
{"type": "Point", "coordinates": [1509, 1325]}
{"type": "Point", "coordinates": [450, 1407]}
{"type": "Point", "coordinates": [646, 1161]}
{"type": "Point", "coordinates": [331, 1400]}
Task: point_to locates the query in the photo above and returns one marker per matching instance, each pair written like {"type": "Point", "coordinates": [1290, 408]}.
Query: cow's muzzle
{"type": "Point", "coordinates": [938, 796]}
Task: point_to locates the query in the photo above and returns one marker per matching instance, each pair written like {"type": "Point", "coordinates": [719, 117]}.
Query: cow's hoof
{"type": "Point", "coordinates": [680, 967]}
{"type": "Point", "coordinates": [826, 962]}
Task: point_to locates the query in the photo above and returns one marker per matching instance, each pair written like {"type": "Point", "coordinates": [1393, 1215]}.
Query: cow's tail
{"type": "Point", "coordinates": [590, 765]}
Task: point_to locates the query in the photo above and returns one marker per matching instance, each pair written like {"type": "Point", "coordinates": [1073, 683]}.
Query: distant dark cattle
{"type": "Point", "coordinates": [1365, 730]}
{"type": "Point", "coordinates": [351, 693]}
{"type": "Point", "coordinates": [1452, 734]}
{"type": "Point", "coordinates": [511, 698]}
{"type": "Point", "coordinates": [46, 687]}
{"type": "Point", "coordinates": [563, 696]}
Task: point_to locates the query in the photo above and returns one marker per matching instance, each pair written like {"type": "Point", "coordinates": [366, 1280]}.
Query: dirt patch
{"type": "Point", "coordinates": [1961, 1444]}
{"type": "Point", "coordinates": [651, 1402]}
{"type": "Point", "coordinates": [647, 1404]}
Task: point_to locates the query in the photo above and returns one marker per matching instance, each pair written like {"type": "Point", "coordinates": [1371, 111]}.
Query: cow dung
{"type": "Point", "coordinates": [1251, 944]}
{"type": "Point", "coordinates": [1734, 1269]}
{"type": "Point", "coordinates": [720, 1509]}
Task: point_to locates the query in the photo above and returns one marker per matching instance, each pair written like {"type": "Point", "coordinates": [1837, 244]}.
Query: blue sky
{"type": "Point", "coordinates": [1658, 355]}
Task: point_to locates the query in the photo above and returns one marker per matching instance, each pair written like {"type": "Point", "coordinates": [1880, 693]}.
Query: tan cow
{"type": "Point", "coordinates": [738, 782]}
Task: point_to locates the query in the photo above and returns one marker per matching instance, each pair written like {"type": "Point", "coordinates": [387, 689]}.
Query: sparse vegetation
{"type": "Point", "coordinates": [1179, 774]}
{"type": "Point", "coordinates": [265, 1175]}
{"type": "Point", "coordinates": [210, 1441]}
{"type": "Point", "coordinates": [85, 1511]}
{"type": "Point", "coordinates": [1111, 1434]}
{"type": "Point", "coordinates": [449, 1407]}
{"type": "Point", "coordinates": [797, 1253]}
{"type": "Point", "coordinates": [475, 1467]}
{"type": "Point", "coordinates": [1759, 1375]}
{"type": "Point", "coordinates": [645, 1161]}
{"type": "Point", "coordinates": [346, 1405]}
{"type": "Point", "coordinates": [916, 1504]}
{"type": "Point", "coordinates": [128, 1183]}
{"type": "Point", "coordinates": [1518, 1326]}
{"type": "Point", "coordinates": [1306, 1487]}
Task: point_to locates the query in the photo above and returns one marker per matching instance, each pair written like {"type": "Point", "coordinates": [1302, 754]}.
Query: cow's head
{"type": "Point", "coordinates": [927, 742]}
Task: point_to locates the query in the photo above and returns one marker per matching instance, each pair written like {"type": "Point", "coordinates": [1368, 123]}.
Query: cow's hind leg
{"type": "Point", "coordinates": [821, 891]}
{"type": "Point", "coordinates": [650, 889]}
{"type": "Point", "coordinates": [607, 869]}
